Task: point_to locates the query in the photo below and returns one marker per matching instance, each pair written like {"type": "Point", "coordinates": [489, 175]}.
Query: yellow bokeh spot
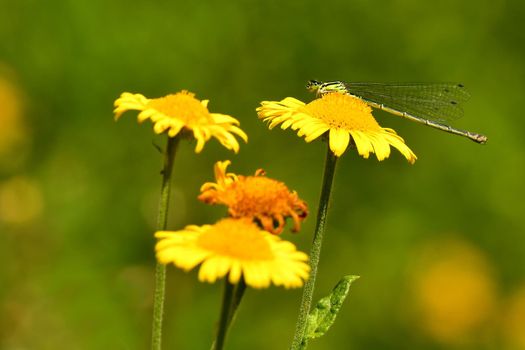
{"type": "Point", "coordinates": [13, 133]}
{"type": "Point", "coordinates": [514, 320]}
{"type": "Point", "coordinates": [454, 291]}
{"type": "Point", "coordinates": [20, 201]}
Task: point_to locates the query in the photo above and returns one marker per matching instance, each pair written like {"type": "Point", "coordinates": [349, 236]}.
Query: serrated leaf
{"type": "Point", "coordinates": [322, 317]}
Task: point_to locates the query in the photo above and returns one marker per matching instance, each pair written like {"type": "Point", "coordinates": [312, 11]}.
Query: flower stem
{"type": "Point", "coordinates": [237, 294]}
{"type": "Point", "coordinates": [315, 252]}
{"type": "Point", "coordinates": [162, 219]}
{"type": "Point", "coordinates": [226, 314]}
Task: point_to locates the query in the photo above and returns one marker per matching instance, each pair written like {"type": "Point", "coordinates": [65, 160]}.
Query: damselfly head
{"type": "Point", "coordinates": [313, 85]}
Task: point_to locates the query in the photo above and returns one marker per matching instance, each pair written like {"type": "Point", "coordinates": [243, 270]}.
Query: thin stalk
{"type": "Point", "coordinates": [226, 310]}
{"type": "Point", "coordinates": [162, 219]}
{"type": "Point", "coordinates": [237, 294]}
{"type": "Point", "coordinates": [315, 252]}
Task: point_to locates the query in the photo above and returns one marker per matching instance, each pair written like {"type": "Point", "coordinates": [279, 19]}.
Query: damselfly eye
{"type": "Point", "coordinates": [313, 85]}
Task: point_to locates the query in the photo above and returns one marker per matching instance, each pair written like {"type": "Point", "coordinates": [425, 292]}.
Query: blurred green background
{"type": "Point", "coordinates": [439, 244]}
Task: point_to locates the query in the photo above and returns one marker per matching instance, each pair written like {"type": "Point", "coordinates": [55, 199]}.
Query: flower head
{"type": "Point", "coordinates": [341, 116]}
{"type": "Point", "coordinates": [183, 112]}
{"type": "Point", "coordinates": [237, 248]}
{"type": "Point", "coordinates": [267, 201]}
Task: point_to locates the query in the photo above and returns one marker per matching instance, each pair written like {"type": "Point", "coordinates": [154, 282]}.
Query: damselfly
{"type": "Point", "coordinates": [430, 104]}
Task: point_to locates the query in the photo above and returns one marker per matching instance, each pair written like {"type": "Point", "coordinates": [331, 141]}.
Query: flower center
{"type": "Point", "coordinates": [343, 111]}
{"type": "Point", "coordinates": [184, 106]}
{"type": "Point", "coordinates": [259, 194]}
{"type": "Point", "coordinates": [239, 239]}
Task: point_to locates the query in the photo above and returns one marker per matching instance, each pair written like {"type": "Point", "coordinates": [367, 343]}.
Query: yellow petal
{"type": "Point", "coordinates": [339, 140]}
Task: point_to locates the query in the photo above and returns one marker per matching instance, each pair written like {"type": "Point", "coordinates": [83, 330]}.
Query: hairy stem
{"type": "Point", "coordinates": [315, 252]}
{"type": "Point", "coordinates": [162, 219]}
{"type": "Point", "coordinates": [226, 314]}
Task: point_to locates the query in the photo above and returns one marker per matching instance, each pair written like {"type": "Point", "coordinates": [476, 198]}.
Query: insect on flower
{"type": "Point", "coordinates": [430, 104]}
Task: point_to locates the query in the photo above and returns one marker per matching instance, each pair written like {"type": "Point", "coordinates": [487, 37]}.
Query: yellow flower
{"type": "Point", "coordinates": [267, 201]}
{"type": "Point", "coordinates": [237, 248]}
{"type": "Point", "coordinates": [182, 111]}
{"type": "Point", "coordinates": [339, 115]}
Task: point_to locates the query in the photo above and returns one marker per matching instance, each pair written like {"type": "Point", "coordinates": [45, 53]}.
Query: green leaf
{"type": "Point", "coordinates": [323, 315]}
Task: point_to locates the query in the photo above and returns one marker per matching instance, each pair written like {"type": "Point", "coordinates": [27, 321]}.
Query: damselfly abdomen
{"type": "Point", "coordinates": [430, 104]}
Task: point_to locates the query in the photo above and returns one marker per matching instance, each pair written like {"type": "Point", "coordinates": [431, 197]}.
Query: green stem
{"type": "Point", "coordinates": [238, 293]}
{"type": "Point", "coordinates": [315, 252]}
{"type": "Point", "coordinates": [226, 314]}
{"type": "Point", "coordinates": [162, 219]}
